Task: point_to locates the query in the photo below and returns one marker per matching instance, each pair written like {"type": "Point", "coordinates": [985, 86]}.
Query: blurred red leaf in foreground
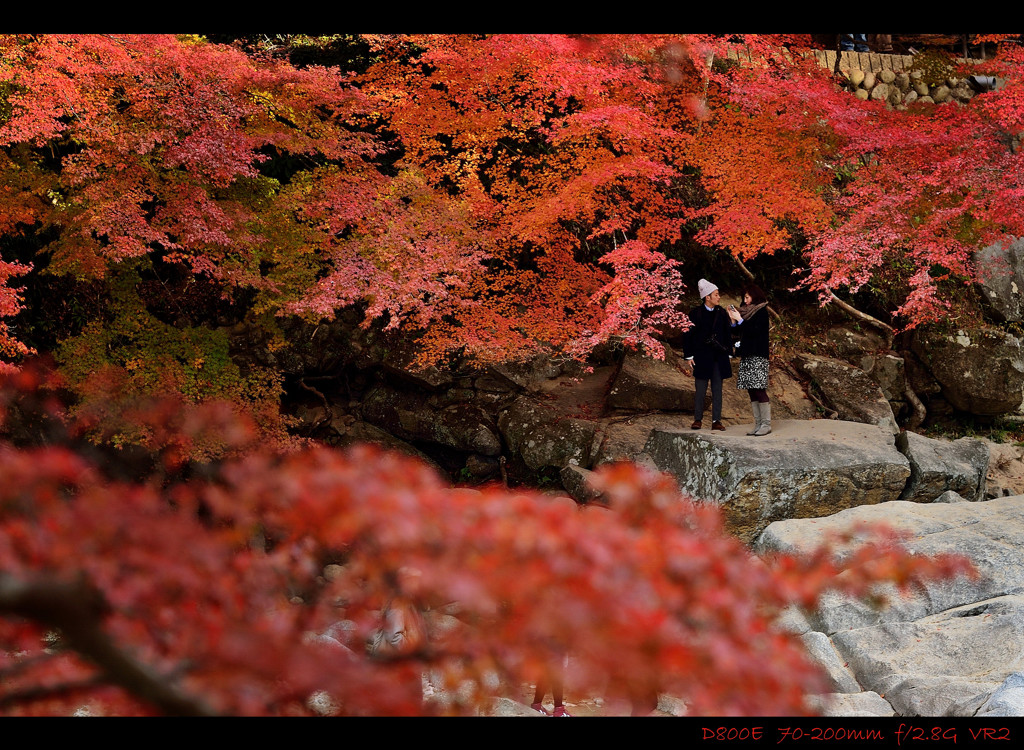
{"type": "Point", "coordinates": [248, 585]}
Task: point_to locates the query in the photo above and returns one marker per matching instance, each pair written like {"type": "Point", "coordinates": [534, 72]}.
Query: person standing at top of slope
{"type": "Point", "coordinates": [751, 323]}
{"type": "Point", "coordinates": [707, 346]}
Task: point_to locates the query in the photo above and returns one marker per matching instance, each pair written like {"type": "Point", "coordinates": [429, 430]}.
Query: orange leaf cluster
{"type": "Point", "coordinates": [494, 195]}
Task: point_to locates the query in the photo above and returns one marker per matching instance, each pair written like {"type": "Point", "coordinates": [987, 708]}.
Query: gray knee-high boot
{"type": "Point", "coordinates": [766, 420]}
{"type": "Point", "coordinates": [755, 406]}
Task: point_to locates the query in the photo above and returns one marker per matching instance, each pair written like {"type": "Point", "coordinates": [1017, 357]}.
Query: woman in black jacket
{"type": "Point", "coordinates": [750, 322]}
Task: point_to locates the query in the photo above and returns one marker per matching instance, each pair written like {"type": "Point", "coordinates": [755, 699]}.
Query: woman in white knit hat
{"type": "Point", "coordinates": [707, 345]}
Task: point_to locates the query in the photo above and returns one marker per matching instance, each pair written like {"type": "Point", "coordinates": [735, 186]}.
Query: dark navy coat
{"type": "Point", "coordinates": [708, 327]}
{"type": "Point", "coordinates": [753, 333]}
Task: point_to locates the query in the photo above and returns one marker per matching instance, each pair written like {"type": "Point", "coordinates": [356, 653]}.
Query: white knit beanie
{"type": "Point", "coordinates": [705, 287]}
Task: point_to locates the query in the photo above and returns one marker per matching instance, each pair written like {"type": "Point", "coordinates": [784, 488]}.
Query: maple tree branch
{"type": "Point", "coordinates": [75, 609]}
{"type": "Point", "coordinates": [830, 412]}
{"type": "Point", "coordinates": [887, 329]}
{"type": "Point", "coordinates": [809, 389]}
{"type": "Point", "coordinates": [743, 267]}
{"type": "Point", "coordinates": [328, 411]}
{"type": "Point", "coordinates": [919, 411]}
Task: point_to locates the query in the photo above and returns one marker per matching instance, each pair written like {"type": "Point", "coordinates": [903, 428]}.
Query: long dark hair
{"type": "Point", "coordinates": [757, 295]}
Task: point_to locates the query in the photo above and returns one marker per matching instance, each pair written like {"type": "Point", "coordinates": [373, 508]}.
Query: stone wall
{"type": "Point", "coordinates": [900, 88]}
{"type": "Point", "coordinates": [889, 78]}
{"type": "Point", "coordinates": [866, 61]}
{"type": "Point", "coordinates": [871, 61]}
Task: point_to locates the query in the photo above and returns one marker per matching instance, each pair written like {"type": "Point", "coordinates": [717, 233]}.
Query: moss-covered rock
{"type": "Point", "coordinates": [803, 469]}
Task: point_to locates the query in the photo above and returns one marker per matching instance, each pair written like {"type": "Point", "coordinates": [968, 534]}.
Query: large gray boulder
{"type": "Point", "coordinates": [980, 372]}
{"type": "Point", "coordinates": [1000, 278]}
{"type": "Point", "coordinates": [938, 466]}
{"type": "Point", "coordinates": [951, 648]}
{"type": "Point", "coordinates": [363, 432]}
{"type": "Point", "coordinates": [410, 416]}
{"type": "Point", "coordinates": [888, 371]}
{"type": "Point", "coordinates": [867, 703]}
{"type": "Point", "coordinates": [530, 375]}
{"type": "Point", "coordinates": [1008, 698]}
{"type": "Point", "coordinates": [648, 384]}
{"type": "Point", "coordinates": [849, 390]}
{"type": "Point", "coordinates": [576, 482]}
{"type": "Point", "coordinates": [870, 352]}
{"type": "Point", "coordinates": [803, 469]}
{"type": "Point", "coordinates": [308, 348]}
{"type": "Point", "coordinates": [947, 664]}
{"type": "Point", "coordinates": [990, 533]}
{"type": "Point", "coordinates": [543, 436]}
{"type": "Point", "coordinates": [919, 377]}
{"type": "Point", "coordinates": [853, 344]}
{"type": "Point", "coordinates": [396, 354]}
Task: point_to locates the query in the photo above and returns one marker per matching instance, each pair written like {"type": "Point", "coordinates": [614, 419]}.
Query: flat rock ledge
{"type": "Point", "coordinates": [803, 469]}
{"type": "Point", "coordinates": [814, 468]}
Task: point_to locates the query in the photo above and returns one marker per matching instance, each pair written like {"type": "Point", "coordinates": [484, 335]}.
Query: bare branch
{"type": "Point", "coordinates": [887, 329]}
{"type": "Point", "coordinates": [76, 609]}
{"type": "Point", "coordinates": [917, 419]}
{"type": "Point", "coordinates": [829, 412]}
{"type": "Point", "coordinates": [919, 411]}
{"type": "Point", "coordinates": [328, 411]}
{"type": "Point", "coordinates": [750, 276]}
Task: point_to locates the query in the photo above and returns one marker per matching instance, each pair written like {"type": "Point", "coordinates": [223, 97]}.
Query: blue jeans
{"type": "Point", "coordinates": [854, 42]}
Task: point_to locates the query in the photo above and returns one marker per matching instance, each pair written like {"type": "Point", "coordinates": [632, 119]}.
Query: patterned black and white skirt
{"type": "Point", "coordinates": [753, 373]}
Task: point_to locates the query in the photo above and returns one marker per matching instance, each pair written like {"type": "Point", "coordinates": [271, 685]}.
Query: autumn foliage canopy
{"type": "Point", "coordinates": [494, 195]}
